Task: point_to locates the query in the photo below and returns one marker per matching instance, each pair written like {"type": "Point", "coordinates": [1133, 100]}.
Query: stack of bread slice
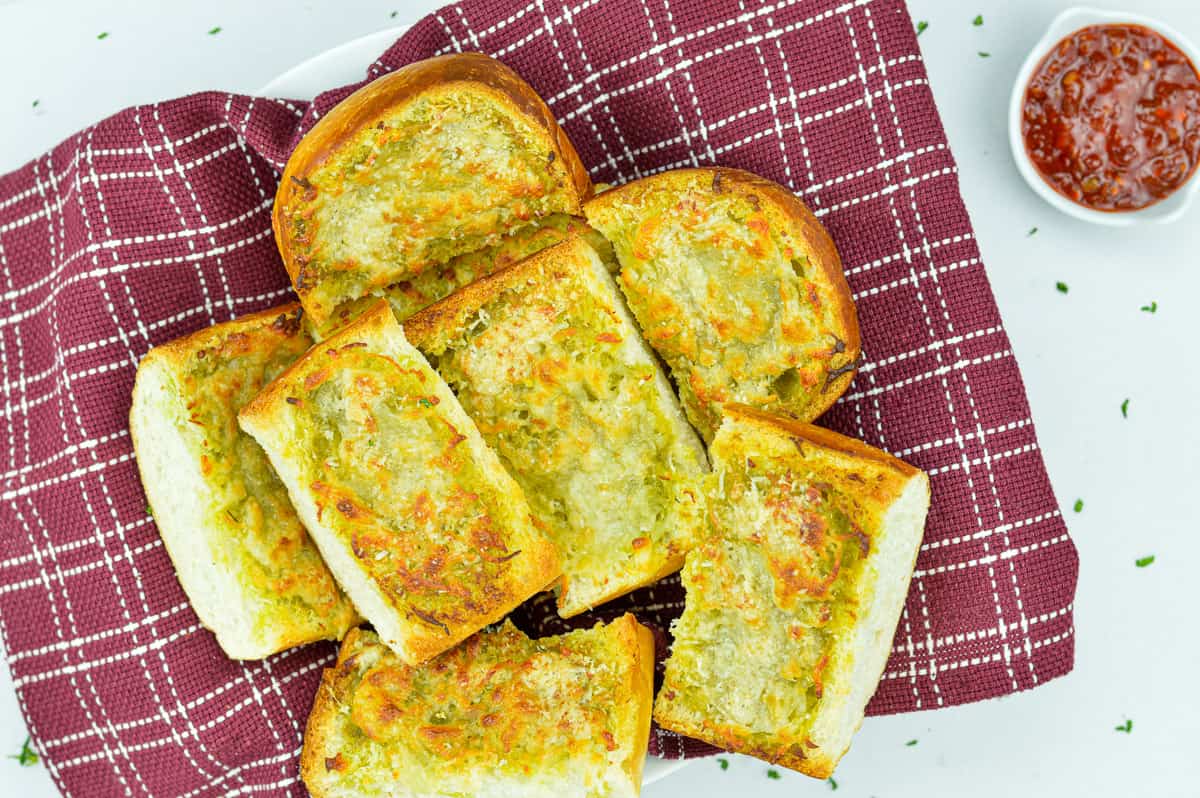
{"type": "Point", "coordinates": [504, 382]}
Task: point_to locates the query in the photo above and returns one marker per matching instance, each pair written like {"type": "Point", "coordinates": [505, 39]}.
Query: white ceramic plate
{"type": "Point", "coordinates": [348, 63]}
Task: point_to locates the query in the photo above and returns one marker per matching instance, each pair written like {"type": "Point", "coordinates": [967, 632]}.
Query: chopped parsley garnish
{"type": "Point", "coordinates": [103, 36]}
{"type": "Point", "coordinates": [911, 743]}
{"type": "Point", "coordinates": [1142, 562]}
{"type": "Point", "coordinates": [1079, 505]}
{"type": "Point", "coordinates": [393, 14]}
{"type": "Point", "coordinates": [978, 20]}
{"type": "Point", "coordinates": [1125, 409]}
{"type": "Point", "coordinates": [1032, 232]}
{"type": "Point", "coordinates": [423, 402]}
{"type": "Point", "coordinates": [772, 774]}
{"type": "Point", "coordinates": [1062, 287]}
{"type": "Point", "coordinates": [921, 26]}
{"type": "Point", "coordinates": [28, 757]}
{"type": "Point", "coordinates": [149, 512]}
{"type": "Point", "coordinates": [36, 103]}
{"type": "Point", "coordinates": [1126, 727]}
{"type": "Point", "coordinates": [215, 31]}
{"type": "Point", "coordinates": [1151, 308]}
{"type": "Point", "coordinates": [982, 54]}
{"type": "Point", "coordinates": [723, 762]}
{"type": "Point", "coordinates": [832, 783]}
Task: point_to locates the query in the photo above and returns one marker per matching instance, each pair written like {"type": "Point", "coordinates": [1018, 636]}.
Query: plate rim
{"type": "Point", "coordinates": [326, 69]}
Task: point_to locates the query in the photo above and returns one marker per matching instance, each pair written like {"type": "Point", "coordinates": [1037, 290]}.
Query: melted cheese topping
{"type": "Point", "coordinates": [561, 388]}
{"type": "Point", "coordinates": [411, 295]}
{"type": "Point", "coordinates": [554, 710]}
{"type": "Point", "coordinates": [261, 540]}
{"type": "Point", "coordinates": [773, 587]}
{"type": "Point", "coordinates": [399, 484]}
{"type": "Point", "coordinates": [448, 173]}
{"type": "Point", "coordinates": [729, 301]}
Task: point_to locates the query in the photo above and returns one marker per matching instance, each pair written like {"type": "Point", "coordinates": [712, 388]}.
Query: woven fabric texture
{"type": "Point", "coordinates": [156, 222]}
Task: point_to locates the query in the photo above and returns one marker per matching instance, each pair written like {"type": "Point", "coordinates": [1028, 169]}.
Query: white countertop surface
{"type": "Point", "coordinates": [1082, 354]}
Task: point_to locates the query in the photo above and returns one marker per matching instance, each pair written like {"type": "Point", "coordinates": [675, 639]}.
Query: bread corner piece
{"type": "Point", "coordinates": [547, 361]}
{"type": "Point", "coordinates": [737, 286]}
{"type": "Point", "coordinates": [793, 601]}
{"type": "Point", "coordinates": [417, 519]}
{"type": "Point", "coordinates": [241, 554]}
{"type": "Point", "coordinates": [500, 715]}
{"type": "Point", "coordinates": [441, 157]}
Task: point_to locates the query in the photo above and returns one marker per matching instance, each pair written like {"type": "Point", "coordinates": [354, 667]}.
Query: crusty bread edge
{"type": "Point", "coordinates": [322, 718]}
{"type": "Point", "coordinates": [791, 209]}
{"type": "Point", "coordinates": [898, 543]}
{"type": "Point", "coordinates": [397, 89]}
{"type": "Point", "coordinates": [642, 690]}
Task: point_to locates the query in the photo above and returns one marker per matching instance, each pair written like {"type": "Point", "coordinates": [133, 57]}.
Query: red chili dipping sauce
{"type": "Point", "coordinates": [1112, 117]}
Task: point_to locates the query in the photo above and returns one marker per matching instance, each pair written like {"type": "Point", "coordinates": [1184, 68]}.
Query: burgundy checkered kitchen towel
{"type": "Point", "coordinates": [156, 222]}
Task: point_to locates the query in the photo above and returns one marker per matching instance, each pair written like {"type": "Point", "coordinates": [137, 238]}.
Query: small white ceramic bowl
{"type": "Point", "coordinates": [1069, 21]}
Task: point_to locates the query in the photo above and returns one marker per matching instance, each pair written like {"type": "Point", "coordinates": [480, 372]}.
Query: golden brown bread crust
{"type": "Point", "coordinates": [826, 438]}
{"type": "Point", "coordinates": [393, 91]}
{"type": "Point", "coordinates": [642, 690]}
{"type": "Point", "coordinates": [787, 209]}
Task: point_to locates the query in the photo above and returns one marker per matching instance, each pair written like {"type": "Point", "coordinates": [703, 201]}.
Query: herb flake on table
{"type": "Point", "coordinates": [832, 783]}
{"type": "Point", "coordinates": [723, 762]}
{"type": "Point", "coordinates": [773, 774]}
{"type": "Point", "coordinates": [1126, 727]}
{"type": "Point", "coordinates": [911, 743]}
{"type": "Point", "coordinates": [103, 36]}
{"type": "Point", "coordinates": [1151, 308]}
{"type": "Point", "coordinates": [921, 27]}
{"type": "Point", "coordinates": [982, 54]}
{"type": "Point", "coordinates": [1142, 562]}
{"type": "Point", "coordinates": [36, 103]}
{"type": "Point", "coordinates": [28, 757]}
{"type": "Point", "coordinates": [1079, 505]}
{"type": "Point", "coordinates": [1032, 232]}
{"type": "Point", "coordinates": [1125, 409]}
{"type": "Point", "coordinates": [1062, 287]}
{"type": "Point", "coordinates": [214, 31]}
{"type": "Point", "coordinates": [978, 21]}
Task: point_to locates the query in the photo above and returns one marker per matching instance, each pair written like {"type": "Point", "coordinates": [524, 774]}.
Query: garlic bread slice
{"type": "Point", "coordinates": [793, 600]}
{"type": "Point", "coordinates": [439, 158]}
{"type": "Point", "coordinates": [499, 716]}
{"type": "Point", "coordinates": [414, 514]}
{"type": "Point", "coordinates": [547, 361]}
{"type": "Point", "coordinates": [737, 286]}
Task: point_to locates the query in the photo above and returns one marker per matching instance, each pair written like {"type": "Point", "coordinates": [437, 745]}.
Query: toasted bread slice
{"type": "Point", "coordinates": [738, 287]}
{"type": "Point", "coordinates": [436, 159]}
{"type": "Point", "coordinates": [409, 296]}
{"type": "Point", "coordinates": [546, 360]}
{"type": "Point", "coordinates": [499, 716]}
{"type": "Point", "coordinates": [242, 556]}
{"type": "Point", "coordinates": [793, 601]}
{"type": "Point", "coordinates": [414, 514]}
